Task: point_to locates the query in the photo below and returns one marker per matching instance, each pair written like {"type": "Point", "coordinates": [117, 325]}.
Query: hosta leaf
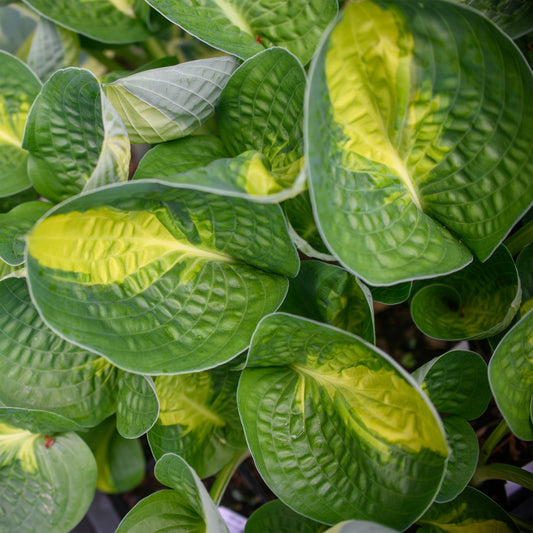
{"type": "Point", "coordinates": [394, 294]}
{"type": "Point", "coordinates": [360, 526]}
{"type": "Point", "coordinates": [37, 421]}
{"type": "Point", "coordinates": [330, 415]}
{"type": "Point", "coordinates": [327, 293]}
{"type": "Point", "coordinates": [243, 28]}
{"type": "Point", "coordinates": [75, 138]}
{"type": "Point", "coordinates": [52, 48]}
{"type": "Point", "coordinates": [45, 485]}
{"type": "Point", "coordinates": [261, 108]}
{"type": "Point", "coordinates": [18, 88]}
{"type": "Point", "coordinates": [159, 280]}
{"type": "Point", "coordinates": [511, 377]}
{"type": "Point", "coordinates": [457, 383]}
{"type": "Point", "coordinates": [426, 150]}
{"type": "Point", "coordinates": [9, 202]}
{"type": "Point", "coordinates": [166, 103]}
{"type": "Point", "coordinates": [110, 21]}
{"type": "Point", "coordinates": [42, 371]}
{"type": "Point", "coordinates": [198, 419]}
{"type": "Point", "coordinates": [524, 266]}
{"type": "Point", "coordinates": [17, 23]}
{"type": "Point", "coordinates": [120, 461]}
{"type": "Point", "coordinates": [137, 405]}
{"type": "Point", "coordinates": [13, 228]}
{"type": "Point", "coordinates": [474, 303]}
{"type": "Point", "coordinates": [7, 271]}
{"type": "Point", "coordinates": [186, 509]}
{"type": "Point", "coordinates": [470, 512]}
{"type": "Point", "coordinates": [463, 458]}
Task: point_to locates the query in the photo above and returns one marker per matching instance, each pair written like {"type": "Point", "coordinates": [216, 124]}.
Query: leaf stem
{"type": "Point", "coordinates": [108, 62]}
{"type": "Point", "coordinates": [505, 472]}
{"type": "Point", "coordinates": [224, 476]}
{"type": "Point", "coordinates": [519, 240]}
{"type": "Point", "coordinates": [154, 47]}
{"type": "Point", "coordinates": [522, 524]}
{"type": "Point", "coordinates": [496, 436]}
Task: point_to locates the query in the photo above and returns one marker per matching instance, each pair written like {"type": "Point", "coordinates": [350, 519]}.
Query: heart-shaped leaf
{"type": "Point", "coordinates": [34, 471]}
{"type": "Point", "coordinates": [511, 377]}
{"type": "Point", "coordinates": [110, 21]}
{"type": "Point", "coordinates": [327, 293]}
{"type": "Point", "coordinates": [198, 419]}
{"type": "Point", "coordinates": [470, 511]}
{"type": "Point", "coordinates": [457, 383]}
{"type": "Point", "coordinates": [13, 228]}
{"type": "Point", "coordinates": [243, 28]}
{"type": "Point", "coordinates": [137, 405]}
{"type": "Point", "coordinates": [463, 458]}
{"type": "Point", "coordinates": [425, 152]}
{"type": "Point", "coordinates": [18, 88]}
{"type": "Point", "coordinates": [474, 303]}
{"type": "Point", "coordinates": [75, 138]}
{"type": "Point", "coordinates": [178, 279]}
{"type": "Point", "coordinates": [166, 103]}
{"type": "Point", "coordinates": [42, 371]}
{"type": "Point", "coordinates": [186, 509]}
{"type": "Point", "coordinates": [330, 414]}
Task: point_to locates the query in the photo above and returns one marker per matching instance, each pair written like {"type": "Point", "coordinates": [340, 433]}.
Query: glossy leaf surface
{"type": "Point", "coordinates": [110, 21]}
{"type": "Point", "coordinates": [244, 28]}
{"type": "Point", "coordinates": [75, 138]}
{"type": "Point", "coordinates": [327, 293]}
{"type": "Point", "coordinates": [457, 383]}
{"type": "Point", "coordinates": [159, 280]}
{"type": "Point", "coordinates": [18, 88]}
{"type": "Point", "coordinates": [170, 102]}
{"type": "Point", "coordinates": [325, 413]}
{"type": "Point", "coordinates": [42, 371]}
{"type": "Point", "coordinates": [474, 303]}
{"type": "Point", "coordinates": [511, 377]}
{"type": "Point", "coordinates": [426, 152]}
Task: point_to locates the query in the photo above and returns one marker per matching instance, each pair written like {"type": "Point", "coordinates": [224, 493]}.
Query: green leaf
{"type": "Point", "coordinates": [327, 293]}
{"type": "Point", "coordinates": [42, 371]}
{"type": "Point", "coordinates": [46, 484]}
{"type": "Point", "coordinates": [425, 153]}
{"type": "Point", "coordinates": [457, 383]}
{"type": "Point", "coordinates": [17, 24]}
{"type": "Point", "coordinates": [470, 512]}
{"type": "Point", "coordinates": [463, 458]}
{"type": "Point", "coordinates": [18, 88]}
{"type": "Point", "coordinates": [109, 21]}
{"type": "Point", "coordinates": [159, 280]}
{"type": "Point", "coordinates": [186, 509]}
{"type": "Point", "coordinates": [13, 228]}
{"type": "Point", "coordinates": [474, 303]}
{"type": "Point", "coordinates": [394, 294]}
{"type": "Point", "coordinates": [120, 461]}
{"type": "Point", "coordinates": [243, 28]}
{"type": "Point", "coordinates": [198, 419]}
{"type": "Point", "coordinates": [170, 102]}
{"type": "Point", "coordinates": [261, 108]}
{"type": "Point", "coordinates": [37, 421]}
{"type": "Point", "coordinates": [329, 414]}
{"type": "Point", "coordinates": [7, 271]}
{"type": "Point", "coordinates": [9, 202]}
{"type": "Point", "coordinates": [524, 266]}
{"type": "Point", "coordinates": [511, 377]}
{"type": "Point", "coordinates": [76, 140]}
{"type": "Point", "coordinates": [52, 48]}
{"type": "Point", "coordinates": [137, 405]}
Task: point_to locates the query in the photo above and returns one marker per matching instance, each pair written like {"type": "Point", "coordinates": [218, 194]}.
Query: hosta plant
{"type": "Point", "coordinates": [302, 163]}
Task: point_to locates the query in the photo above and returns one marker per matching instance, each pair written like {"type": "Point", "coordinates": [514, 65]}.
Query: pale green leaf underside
{"type": "Point", "coordinates": [470, 512]}
{"type": "Point", "coordinates": [137, 405]}
{"type": "Point", "coordinates": [46, 489]}
{"type": "Point", "coordinates": [110, 21]}
{"type": "Point", "coordinates": [178, 279]}
{"type": "Point", "coordinates": [42, 371]}
{"type": "Point", "coordinates": [475, 303]}
{"type": "Point", "coordinates": [325, 412]}
{"type": "Point", "coordinates": [75, 138]}
{"type": "Point", "coordinates": [18, 88]}
{"type": "Point", "coordinates": [421, 165]}
{"type": "Point", "coordinates": [511, 377]}
{"type": "Point", "coordinates": [457, 383]}
{"type": "Point", "coordinates": [167, 103]}
{"type": "Point", "coordinates": [17, 23]}
{"type": "Point", "coordinates": [238, 27]}
{"type": "Point", "coordinates": [198, 419]}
